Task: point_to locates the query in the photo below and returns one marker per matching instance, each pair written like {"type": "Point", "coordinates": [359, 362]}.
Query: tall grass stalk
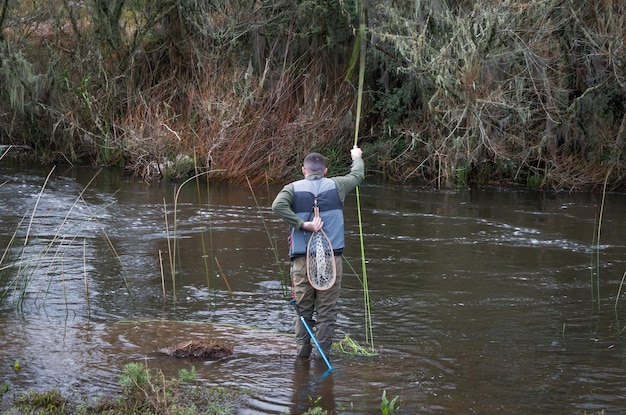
{"type": "Point", "coordinates": [6, 151]}
{"type": "Point", "coordinates": [272, 239]}
{"type": "Point", "coordinates": [173, 246]}
{"type": "Point", "coordinates": [30, 223]}
{"type": "Point", "coordinates": [42, 255]}
{"type": "Point", "coordinates": [33, 262]}
{"type": "Point", "coordinates": [162, 275]}
{"type": "Point", "coordinates": [619, 293]}
{"type": "Point", "coordinates": [85, 274]}
{"type": "Point", "coordinates": [86, 279]}
{"type": "Point", "coordinates": [367, 311]}
{"type": "Point", "coordinates": [594, 268]}
{"type": "Point", "coordinates": [170, 252]}
{"type": "Point", "coordinates": [209, 269]}
{"type": "Point", "coordinates": [369, 335]}
{"type": "Point", "coordinates": [67, 309]}
{"type": "Point", "coordinates": [209, 266]}
{"type": "Point", "coordinates": [595, 296]}
{"type": "Point", "coordinates": [9, 247]}
{"type": "Point", "coordinates": [94, 217]}
{"type": "Point", "coordinates": [66, 243]}
{"type": "Point", "coordinates": [63, 244]}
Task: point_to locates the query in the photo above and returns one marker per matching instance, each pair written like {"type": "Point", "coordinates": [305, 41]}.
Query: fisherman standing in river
{"type": "Point", "coordinates": [294, 204]}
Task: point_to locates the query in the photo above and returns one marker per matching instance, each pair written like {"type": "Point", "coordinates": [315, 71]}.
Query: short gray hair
{"type": "Point", "coordinates": [314, 163]}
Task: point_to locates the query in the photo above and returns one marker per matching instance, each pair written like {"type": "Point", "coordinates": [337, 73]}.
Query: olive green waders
{"type": "Point", "coordinates": [314, 303]}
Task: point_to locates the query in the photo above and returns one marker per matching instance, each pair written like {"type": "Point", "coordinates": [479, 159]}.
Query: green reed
{"type": "Point", "coordinates": [367, 311]}
{"type": "Point", "coordinates": [349, 346]}
{"type": "Point", "coordinates": [389, 407]}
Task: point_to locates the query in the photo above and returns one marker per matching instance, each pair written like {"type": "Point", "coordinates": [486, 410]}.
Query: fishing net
{"type": "Point", "coordinates": [320, 258]}
{"type": "Point", "coordinates": [320, 262]}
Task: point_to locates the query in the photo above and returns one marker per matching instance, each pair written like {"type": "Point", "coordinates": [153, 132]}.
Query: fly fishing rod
{"type": "Point", "coordinates": [308, 329]}
{"type": "Point", "coordinates": [369, 335]}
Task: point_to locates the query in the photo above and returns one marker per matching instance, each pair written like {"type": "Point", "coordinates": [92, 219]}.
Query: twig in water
{"type": "Point", "coordinates": [223, 275]}
{"type": "Point", "coordinates": [162, 273]}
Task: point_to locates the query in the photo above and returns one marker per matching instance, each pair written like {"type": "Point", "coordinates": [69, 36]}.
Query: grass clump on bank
{"type": "Point", "coordinates": [146, 391]}
{"type": "Point", "coordinates": [142, 391]}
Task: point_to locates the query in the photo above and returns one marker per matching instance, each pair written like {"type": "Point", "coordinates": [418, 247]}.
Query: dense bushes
{"type": "Point", "coordinates": [530, 92]}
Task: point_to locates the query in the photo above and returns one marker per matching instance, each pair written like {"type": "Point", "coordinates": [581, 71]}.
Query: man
{"type": "Point", "coordinates": [294, 203]}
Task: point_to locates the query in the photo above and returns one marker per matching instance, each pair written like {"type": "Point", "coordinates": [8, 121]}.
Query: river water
{"type": "Point", "coordinates": [482, 300]}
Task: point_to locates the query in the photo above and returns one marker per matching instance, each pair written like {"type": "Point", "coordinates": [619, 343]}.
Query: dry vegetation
{"type": "Point", "coordinates": [171, 88]}
{"type": "Point", "coordinates": [527, 92]}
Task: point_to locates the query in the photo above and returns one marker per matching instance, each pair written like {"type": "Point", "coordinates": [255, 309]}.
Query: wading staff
{"type": "Point", "coordinates": [308, 329]}
{"type": "Point", "coordinates": [369, 335]}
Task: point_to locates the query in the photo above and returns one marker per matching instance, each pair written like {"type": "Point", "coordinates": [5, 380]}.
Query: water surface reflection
{"type": "Point", "coordinates": [481, 298]}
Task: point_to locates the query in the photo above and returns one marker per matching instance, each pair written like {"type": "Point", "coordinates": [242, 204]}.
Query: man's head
{"type": "Point", "coordinates": [314, 163]}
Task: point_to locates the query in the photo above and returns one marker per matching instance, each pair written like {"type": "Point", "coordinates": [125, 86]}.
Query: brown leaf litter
{"type": "Point", "coordinates": [201, 349]}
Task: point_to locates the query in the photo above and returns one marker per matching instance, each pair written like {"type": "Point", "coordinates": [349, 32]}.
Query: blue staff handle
{"type": "Point", "coordinates": [306, 326]}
